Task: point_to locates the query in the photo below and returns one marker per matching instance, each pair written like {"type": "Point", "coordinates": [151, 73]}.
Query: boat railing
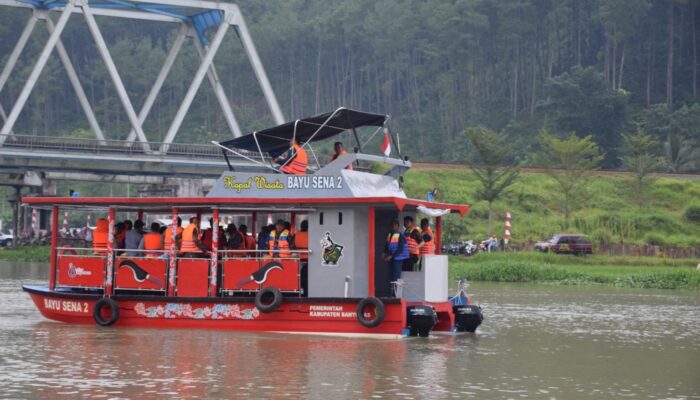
{"type": "Point", "coordinates": [149, 271]}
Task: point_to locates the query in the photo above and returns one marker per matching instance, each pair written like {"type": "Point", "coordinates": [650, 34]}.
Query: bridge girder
{"type": "Point", "coordinates": [223, 15]}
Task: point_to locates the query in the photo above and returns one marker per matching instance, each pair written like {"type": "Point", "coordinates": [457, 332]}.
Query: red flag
{"type": "Point", "coordinates": [386, 145]}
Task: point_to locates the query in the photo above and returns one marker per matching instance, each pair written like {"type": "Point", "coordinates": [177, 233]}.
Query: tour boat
{"type": "Point", "coordinates": [339, 285]}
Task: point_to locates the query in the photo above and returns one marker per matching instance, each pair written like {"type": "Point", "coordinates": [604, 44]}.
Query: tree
{"type": "Point", "coordinates": [492, 165]}
{"type": "Point", "coordinates": [568, 161]}
{"type": "Point", "coordinates": [640, 156]}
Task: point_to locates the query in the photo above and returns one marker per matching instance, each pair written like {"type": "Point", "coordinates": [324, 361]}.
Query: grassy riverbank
{"type": "Point", "coordinates": [26, 254]}
{"type": "Point", "coordinates": [633, 272]}
{"type": "Point", "coordinates": [607, 208]}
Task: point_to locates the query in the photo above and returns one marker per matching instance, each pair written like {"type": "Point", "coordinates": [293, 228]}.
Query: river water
{"type": "Point", "coordinates": [537, 341]}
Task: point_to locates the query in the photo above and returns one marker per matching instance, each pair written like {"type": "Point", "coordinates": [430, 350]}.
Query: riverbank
{"type": "Point", "coordinates": [631, 272]}
{"type": "Point", "coordinates": [26, 254]}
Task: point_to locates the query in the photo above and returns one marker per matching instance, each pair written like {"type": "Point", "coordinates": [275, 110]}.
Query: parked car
{"type": "Point", "coordinates": [5, 239]}
{"type": "Point", "coordinates": [566, 243]}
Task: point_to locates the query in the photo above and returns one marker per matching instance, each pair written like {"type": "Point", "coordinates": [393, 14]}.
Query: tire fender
{"type": "Point", "coordinates": [380, 312]}
{"type": "Point", "coordinates": [113, 307]}
{"type": "Point", "coordinates": [268, 307]}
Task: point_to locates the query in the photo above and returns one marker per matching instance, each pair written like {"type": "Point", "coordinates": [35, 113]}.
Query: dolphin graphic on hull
{"type": "Point", "coordinates": [260, 276]}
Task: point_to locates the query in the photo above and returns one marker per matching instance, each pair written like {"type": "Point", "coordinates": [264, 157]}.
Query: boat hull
{"type": "Point", "coordinates": [302, 315]}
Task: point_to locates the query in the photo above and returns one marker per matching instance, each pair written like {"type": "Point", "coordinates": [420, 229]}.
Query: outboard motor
{"type": "Point", "coordinates": [467, 317]}
{"type": "Point", "coordinates": [421, 320]}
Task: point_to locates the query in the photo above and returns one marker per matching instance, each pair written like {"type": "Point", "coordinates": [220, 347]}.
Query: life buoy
{"type": "Point", "coordinates": [113, 308]}
{"type": "Point", "coordinates": [379, 313]}
{"type": "Point", "coordinates": [261, 302]}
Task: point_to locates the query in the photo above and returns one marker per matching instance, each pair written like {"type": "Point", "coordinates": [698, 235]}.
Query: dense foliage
{"type": "Point", "coordinates": [516, 66]}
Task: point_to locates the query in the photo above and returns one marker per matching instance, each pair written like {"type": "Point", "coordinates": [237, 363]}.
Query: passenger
{"type": "Point", "coordinates": [152, 241]}
{"type": "Point", "coordinates": [235, 240]}
{"type": "Point", "coordinates": [395, 251]}
{"type": "Point", "coordinates": [280, 242]}
{"type": "Point", "coordinates": [100, 237]}
{"type": "Point", "coordinates": [294, 161]}
{"type": "Point", "coordinates": [168, 236]}
{"type": "Point", "coordinates": [191, 247]}
{"type": "Point", "coordinates": [222, 238]}
{"type": "Point", "coordinates": [414, 240]}
{"type": "Point", "coordinates": [263, 237]}
{"type": "Point", "coordinates": [133, 240]}
{"type": "Point", "coordinates": [119, 235]}
{"type": "Point", "coordinates": [301, 240]}
{"type": "Point", "coordinates": [248, 240]}
{"type": "Point", "coordinates": [339, 151]}
{"type": "Point", "coordinates": [428, 246]}
{"type": "Point", "coordinates": [207, 235]}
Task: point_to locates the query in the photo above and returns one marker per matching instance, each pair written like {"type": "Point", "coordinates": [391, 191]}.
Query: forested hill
{"type": "Point", "coordinates": [595, 67]}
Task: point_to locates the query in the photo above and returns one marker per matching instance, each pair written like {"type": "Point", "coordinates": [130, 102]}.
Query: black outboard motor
{"type": "Point", "coordinates": [467, 317]}
{"type": "Point", "coordinates": [421, 320]}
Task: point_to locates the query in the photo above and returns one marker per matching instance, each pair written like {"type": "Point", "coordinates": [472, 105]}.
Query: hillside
{"type": "Point", "coordinates": [606, 208]}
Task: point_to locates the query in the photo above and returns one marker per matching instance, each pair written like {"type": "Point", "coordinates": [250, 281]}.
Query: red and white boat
{"type": "Point", "coordinates": [347, 288]}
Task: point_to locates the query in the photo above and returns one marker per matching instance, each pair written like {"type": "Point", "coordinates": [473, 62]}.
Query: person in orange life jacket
{"type": "Point", "coordinates": [414, 240]}
{"type": "Point", "coordinates": [395, 250]}
{"type": "Point", "coordinates": [339, 151]}
{"type": "Point", "coordinates": [152, 241]}
{"type": "Point", "coordinates": [294, 161]}
{"type": "Point", "coordinates": [428, 246]}
{"type": "Point", "coordinates": [100, 236]}
{"type": "Point", "coordinates": [167, 239]}
{"type": "Point", "coordinates": [280, 241]}
{"type": "Point", "coordinates": [191, 246]}
{"type": "Point", "coordinates": [248, 241]}
{"type": "Point", "coordinates": [119, 234]}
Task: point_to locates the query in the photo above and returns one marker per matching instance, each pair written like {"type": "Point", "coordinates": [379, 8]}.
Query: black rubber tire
{"type": "Point", "coordinates": [379, 315]}
{"type": "Point", "coordinates": [97, 311]}
{"type": "Point", "coordinates": [270, 307]}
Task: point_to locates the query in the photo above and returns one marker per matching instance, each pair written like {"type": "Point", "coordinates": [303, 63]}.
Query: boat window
{"type": "Point", "coordinates": [340, 218]}
{"type": "Point", "coordinates": [320, 219]}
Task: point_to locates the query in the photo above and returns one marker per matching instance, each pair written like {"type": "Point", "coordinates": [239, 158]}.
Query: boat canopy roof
{"type": "Point", "coordinates": [275, 140]}
{"type": "Point", "coordinates": [193, 204]}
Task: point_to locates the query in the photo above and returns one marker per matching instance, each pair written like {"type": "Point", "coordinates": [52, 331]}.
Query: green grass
{"type": "Point", "coordinates": [607, 208]}
{"type": "Point", "coordinates": [26, 254]}
{"type": "Point", "coordinates": [634, 272]}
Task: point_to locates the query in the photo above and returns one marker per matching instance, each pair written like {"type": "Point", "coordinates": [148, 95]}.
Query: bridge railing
{"type": "Point", "coordinates": [96, 146]}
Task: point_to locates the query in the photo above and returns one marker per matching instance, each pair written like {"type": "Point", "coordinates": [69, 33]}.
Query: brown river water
{"type": "Point", "coordinates": [537, 342]}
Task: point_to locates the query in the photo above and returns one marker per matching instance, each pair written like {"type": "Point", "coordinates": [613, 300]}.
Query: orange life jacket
{"type": "Point", "coordinates": [412, 244]}
{"type": "Point", "coordinates": [279, 246]}
{"type": "Point", "coordinates": [151, 242]}
{"type": "Point", "coordinates": [100, 237]}
{"type": "Point", "coordinates": [429, 246]}
{"type": "Point", "coordinates": [298, 164]}
{"type": "Point", "coordinates": [168, 236]}
{"type": "Point", "coordinates": [342, 152]}
{"type": "Point", "coordinates": [301, 240]}
{"type": "Point", "coordinates": [188, 244]}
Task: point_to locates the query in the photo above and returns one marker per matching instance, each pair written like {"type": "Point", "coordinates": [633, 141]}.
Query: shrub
{"type": "Point", "coordinates": [692, 213]}
{"type": "Point", "coordinates": [655, 239]}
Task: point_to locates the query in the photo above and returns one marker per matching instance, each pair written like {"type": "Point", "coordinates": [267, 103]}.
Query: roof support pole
{"type": "Point", "coordinates": [53, 262]}
{"type": "Point", "coordinates": [196, 82]}
{"type": "Point", "coordinates": [158, 84]}
{"type": "Point", "coordinates": [109, 271]}
{"type": "Point", "coordinates": [257, 65]}
{"type": "Point", "coordinates": [172, 254]}
{"type": "Point", "coordinates": [219, 91]}
{"type": "Point", "coordinates": [370, 250]}
{"type": "Point", "coordinates": [114, 74]}
{"type": "Point", "coordinates": [214, 253]}
{"type": "Point", "coordinates": [36, 71]}
{"type": "Point", "coordinates": [73, 77]}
